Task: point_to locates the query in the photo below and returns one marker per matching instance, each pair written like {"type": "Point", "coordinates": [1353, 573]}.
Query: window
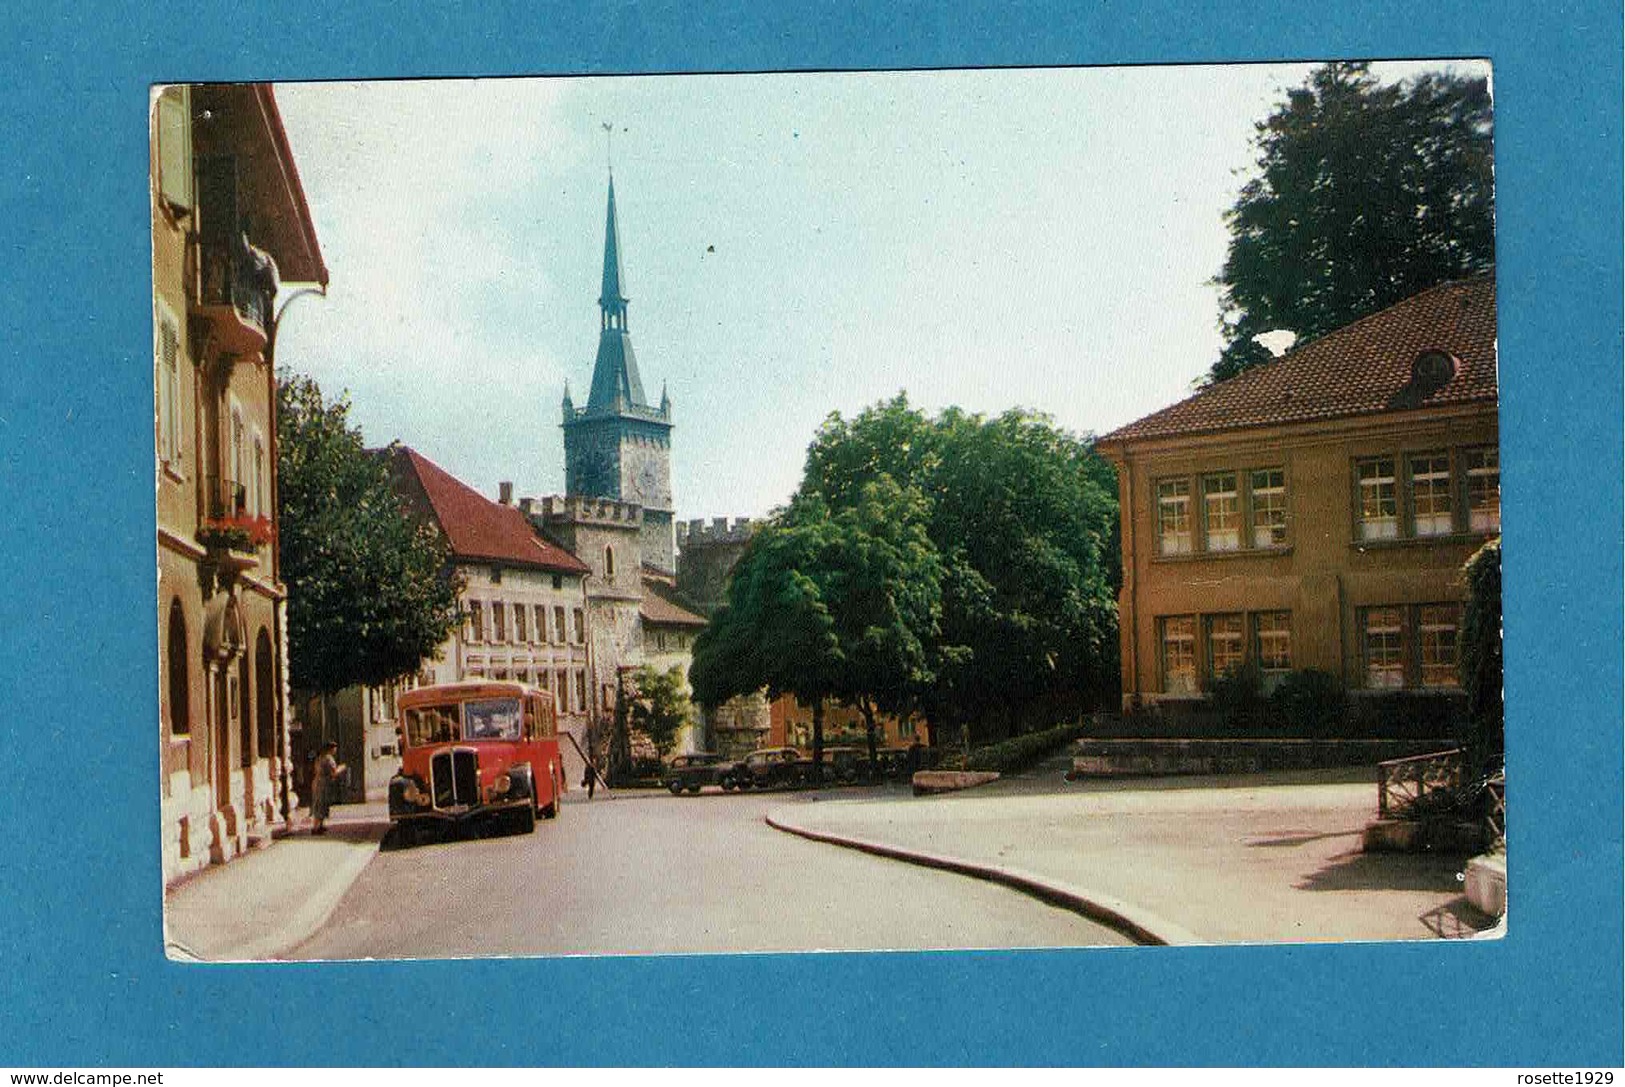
{"type": "Point", "coordinates": [558, 626]}
{"type": "Point", "coordinates": [609, 564]}
{"type": "Point", "coordinates": [581, 628]}
{"type": "Point", "coordinates": [1179, 655]}
{"type": "Point", "coordinates": [180, 678]}
{"type": "Point", "coordinates": [1272, 641]}
{"type": "Point", "coordinates": [1483, 489]}
{"type": "Point", "coordinates": [521, 633]}
{"type": "Point", "coordinates": [1379, 508]}
{"type": "Point", "coordinates": [1269, 507]}
{"type": "Point", "coordinates": [1384, 648]}
{"type": "Point", "coordinates": [563, 689]}
{"type": "Point", "coordinates": [1226, 645]}
{"type": "Point", "coordinates": [496, 575]}
{"type": "Point", "coordinates": [1440, 494]}
{"type": "Point", "coordinates": [1221, 512]}
{"type": "Point", "coordinates": [541, 622]}
{"type": "Point", "coordinates": [1430, 494]}
{"type": "Point", "coordinates": [499, 620]}
{"type": "Point", "coordinates": [262, 503]}
{"type": "Point", "coordinates": [239, 500]}
{"type": "Point", "coordinates": [174, 139]}
{"type": "Point", "coordinates": [1436, 637]}
{"type": "Point", "coordinates": [476, 621]}
{"type": "Point", "coordinates": [581, 690]}
{"type": "Point", "coordinates": [1174, 516]}
{"type": "Point", "coordinates": [169, 389]}
{"type": "Point", "coordinates": [558, 582]}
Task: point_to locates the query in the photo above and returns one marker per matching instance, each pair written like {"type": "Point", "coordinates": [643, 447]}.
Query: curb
{"type": "Point", "coordinates": [1141, 926]}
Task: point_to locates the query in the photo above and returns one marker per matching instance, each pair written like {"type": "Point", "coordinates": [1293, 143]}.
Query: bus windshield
{"type": "Point", "coordinates": [432, 725]}
{"type": "Point", "coordinates": [493, 719]}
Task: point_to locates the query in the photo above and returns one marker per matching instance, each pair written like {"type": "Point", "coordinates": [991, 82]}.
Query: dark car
{"type": "Point", "coordinates": [764, 769]}
{"type": "Point", "coordinates": [693, 772]}
{"type": "Point", "coordinates": [845, 765]}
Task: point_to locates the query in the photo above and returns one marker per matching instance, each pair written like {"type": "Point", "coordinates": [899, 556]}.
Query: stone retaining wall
{"type": "Point", "coordinates": [1115, 758]}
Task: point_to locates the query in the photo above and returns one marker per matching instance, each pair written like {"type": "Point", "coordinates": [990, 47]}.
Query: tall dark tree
{"type": "Point", "coordinates": [1363, 194]}
{"type": "Point", "coordinates": [371, 589]}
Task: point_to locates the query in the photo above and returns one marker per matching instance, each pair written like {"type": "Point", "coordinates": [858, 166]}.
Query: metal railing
{"type": "Point", "coordinates": [1495, 811]}
{"type": "Point", "coordinates": [226, 497]}
{"type": "Point", "coordinates": [1403, 783]}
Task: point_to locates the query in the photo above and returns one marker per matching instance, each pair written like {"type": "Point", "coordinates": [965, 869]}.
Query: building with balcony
{"type": "Point", "coordinates": [1315, 512]}
{"type": "Point", "coordinates": [230, 227]}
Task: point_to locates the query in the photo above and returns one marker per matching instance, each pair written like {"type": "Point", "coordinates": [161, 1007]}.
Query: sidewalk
{"type": "Point", "coordinates": [1261, 858]}
{"type": "Point", "coordinates": [264, 903]}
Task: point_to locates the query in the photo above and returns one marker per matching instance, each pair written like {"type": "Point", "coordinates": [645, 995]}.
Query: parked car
{"type": "Point", "coordinates": [693, 772]}
{"type": "Point", "coordinates": [766, 768]}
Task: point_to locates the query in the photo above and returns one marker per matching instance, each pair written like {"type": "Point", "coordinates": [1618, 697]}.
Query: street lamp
{"type": "Point", "coordinates": [280, 612]}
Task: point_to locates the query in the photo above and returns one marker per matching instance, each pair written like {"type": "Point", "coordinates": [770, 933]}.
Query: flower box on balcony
{"type": "Point", "coordinates": [237, 532]}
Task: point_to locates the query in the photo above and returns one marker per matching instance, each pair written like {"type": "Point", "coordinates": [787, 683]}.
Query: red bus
{"type": "Point", "coordinates": [482, 749]}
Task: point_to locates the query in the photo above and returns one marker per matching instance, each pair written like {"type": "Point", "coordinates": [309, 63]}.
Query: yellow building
{"type": "Point", "coordinates": [229, 225]}
{"type": "Point", "coordinates": [1314, 512]}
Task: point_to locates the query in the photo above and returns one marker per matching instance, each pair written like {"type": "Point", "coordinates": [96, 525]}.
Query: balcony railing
{"type": "Point", "coordinates": [237, 280]}
{"type": "Point", "coordinates": [1402, 784]}
{"type": "Point", "coordinates": [226, 497]}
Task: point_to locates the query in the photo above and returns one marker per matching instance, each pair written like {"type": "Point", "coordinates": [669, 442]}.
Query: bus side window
{"type": "Point", "coordinates": [530, 719]}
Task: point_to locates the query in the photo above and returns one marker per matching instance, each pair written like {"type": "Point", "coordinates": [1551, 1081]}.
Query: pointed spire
{"type": "Point", "coordinates": [665, 400]}
{"type": "Point", "coordinates": [615, 382]}
{"type": "Point", "coordinates": [612, 298]}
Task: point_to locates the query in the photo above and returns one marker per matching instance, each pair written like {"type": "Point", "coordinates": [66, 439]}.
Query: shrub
{"type": "Point", "coordinates": [1238, 693]}
{"type": "Point", "coordinates": [1022, 751]}
{"type": "Point", "coordinates": [1312, 702]}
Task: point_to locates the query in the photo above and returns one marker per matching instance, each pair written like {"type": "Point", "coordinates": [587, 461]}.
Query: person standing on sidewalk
{"type": "Point", "coordinates": [590, 780]}
{"type": "Point", "coordinates": [322, 784]}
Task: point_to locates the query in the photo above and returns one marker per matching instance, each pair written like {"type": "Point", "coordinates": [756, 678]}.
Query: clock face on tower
{"type": "Point", "coordinates": [646, 482]}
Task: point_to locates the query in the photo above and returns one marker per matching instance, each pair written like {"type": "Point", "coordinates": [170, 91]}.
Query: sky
{"type": "Point", "coordinates": [793, 245]}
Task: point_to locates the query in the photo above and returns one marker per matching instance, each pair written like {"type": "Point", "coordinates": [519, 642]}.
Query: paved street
{"type": "Point", "coordinates": [662, 874]}
{"type": "Point", "coordinates": [1254, 858]}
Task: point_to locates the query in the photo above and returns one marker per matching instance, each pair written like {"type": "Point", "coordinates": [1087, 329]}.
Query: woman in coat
{"type": "Point", "coordinates": [323, 783]}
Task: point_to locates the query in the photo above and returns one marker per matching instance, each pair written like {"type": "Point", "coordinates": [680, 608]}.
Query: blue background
{"type": "Point", "coordinates": [82, 977]}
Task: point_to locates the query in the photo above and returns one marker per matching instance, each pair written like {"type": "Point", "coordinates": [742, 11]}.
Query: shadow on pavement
{"type": "Point", "coordinates": [1356, 871]}
{"type": "Point", "coordinates": [1457, 920]}
{"type": "Point", "coordinates": [1301, 837]}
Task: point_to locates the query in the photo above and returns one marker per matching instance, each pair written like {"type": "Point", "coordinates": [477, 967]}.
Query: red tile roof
{"type": "Point", "coordinates": [1360, 369]}
{"type": "Point", "coordinates": [659, 608]}
{"type": "Point", "coordinates": [476, 528]}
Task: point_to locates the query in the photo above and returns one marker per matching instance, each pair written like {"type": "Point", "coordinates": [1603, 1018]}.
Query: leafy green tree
{"type": "Point", "coordinates": [1364, 194]}
{"type": "Point", "coordinates": [661, 707]}
{"type": "Point", "coordinates": [1023, 519]}
{"type": "Point", "coordinates": [881, 579]}
{"type": "Point", "coordinates": [371, 589]}
{"type": "Point", "coordinates": [829, 605]}
{"type": "Point", "coordinates": [774, 631]}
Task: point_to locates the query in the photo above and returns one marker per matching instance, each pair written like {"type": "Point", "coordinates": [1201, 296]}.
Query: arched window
{"type": "Point", "coordinates": [180, 679]}
{"type": "Point", "coordinates": [609, 563]}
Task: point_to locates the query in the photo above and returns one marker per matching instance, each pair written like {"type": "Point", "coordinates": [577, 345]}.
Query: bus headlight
{"type": "Point", "coordinates": [414, 795]}
{"type": "Point", "coordinates": [501, 785]}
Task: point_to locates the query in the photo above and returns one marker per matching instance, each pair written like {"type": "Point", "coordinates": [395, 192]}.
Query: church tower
{"type": "Point", "coordinates": [619, 445]}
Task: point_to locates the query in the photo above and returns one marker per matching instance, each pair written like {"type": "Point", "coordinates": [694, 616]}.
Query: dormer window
{"type": "Point", "coordinates": [1433, 370]}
